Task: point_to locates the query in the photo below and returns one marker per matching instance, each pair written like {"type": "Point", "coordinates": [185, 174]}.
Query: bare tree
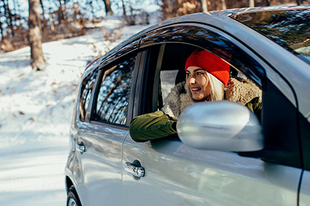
{"type": "Point", "coordinates": [76, 12]}
{"type": "Point", "coordinates": [251, 3]}
{"type": "Point", "coordinates": [204, 4]}
{"type": "Point", "coordinates": [51, 18]}
{"type": "Point", "coordinates": [61, 12]}
{"type": "Point", "coordinates": [35, 36]}
{"type": "Point", "coordinates": [223, 4]}
{"type": "Point", "coordinates": [1, 27]}
{"type": "Point", "coordinates": [43, 15]}
{"type": "Point", "coordinates": [8, 15]}
{"type": "Point", "coordinates": [173, 8]}
{"type": "Point", "coordinates": [108, 9]}
{"type": "Point", "coordinates": [124, 11]}
{"type": "Point", "coordinates": [90, 3]}
{"type": "Point", "coordinates": [298, 2]}
{"type": "Point", "coordinates": [129, 12]}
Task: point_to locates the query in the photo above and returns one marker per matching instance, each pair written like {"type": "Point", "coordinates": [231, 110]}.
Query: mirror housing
{"type": "Point", "coordinates": [220, 125]}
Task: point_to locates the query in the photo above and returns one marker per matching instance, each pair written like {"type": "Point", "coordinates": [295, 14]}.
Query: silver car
{"type": "Point", "coordinates": [225, 154]}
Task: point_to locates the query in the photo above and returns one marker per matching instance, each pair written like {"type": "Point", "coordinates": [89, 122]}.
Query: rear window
{"type": "Point", "coordinates": [288, 28]}
{"type": "Point", "coordinates": [113, 97]}
{"type": "Point", "coordinates": [86, 92]}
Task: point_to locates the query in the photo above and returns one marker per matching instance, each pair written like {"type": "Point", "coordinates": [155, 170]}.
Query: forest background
{"type": "Point", "coordinates": [33, 22]}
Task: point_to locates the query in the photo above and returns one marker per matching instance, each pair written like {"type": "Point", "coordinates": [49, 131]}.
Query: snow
{"type": "Point", "coordinates": [36, 110]}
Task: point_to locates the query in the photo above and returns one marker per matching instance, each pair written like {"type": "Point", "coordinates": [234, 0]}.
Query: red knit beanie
{"type": "Point", "coordinates": [211, 63]}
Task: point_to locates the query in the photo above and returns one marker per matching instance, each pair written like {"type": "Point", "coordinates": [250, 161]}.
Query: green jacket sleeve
{"type": "Point", "coordinates": [255, 106]}
{"type": "Point", "coordinates": [151, 126]}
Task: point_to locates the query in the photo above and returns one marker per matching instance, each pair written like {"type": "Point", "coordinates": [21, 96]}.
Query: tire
{"type": "Point", "coordinates": [72, 198]}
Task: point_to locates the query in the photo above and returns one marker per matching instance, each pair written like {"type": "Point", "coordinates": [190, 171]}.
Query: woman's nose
{"type": "Point", "coordinates": [192, 80]}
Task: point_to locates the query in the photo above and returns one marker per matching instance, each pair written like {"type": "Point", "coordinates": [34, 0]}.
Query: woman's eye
{"type": "Point", "coordinates": [199, 73]}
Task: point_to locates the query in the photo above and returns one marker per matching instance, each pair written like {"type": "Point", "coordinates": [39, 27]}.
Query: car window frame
{"type": "Point", "coordinates": [90, 71]}
{"type": "Point", "coordinates": [103, 67]}
{"type": "Point", "coordinates": [250, 52]}
{"type": "Point", "coordinates": [152, 39]}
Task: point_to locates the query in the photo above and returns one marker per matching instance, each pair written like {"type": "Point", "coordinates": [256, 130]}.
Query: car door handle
{"type": "Point", "coordinates": [134, 170]}
{"type": "Point", "coordinates": [81, 147]}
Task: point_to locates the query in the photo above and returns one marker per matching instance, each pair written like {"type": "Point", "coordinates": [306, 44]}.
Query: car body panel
{"type": "Point", "coordinates": [100, 166]}
{"type": "Point", "coordinates": [176, 174]}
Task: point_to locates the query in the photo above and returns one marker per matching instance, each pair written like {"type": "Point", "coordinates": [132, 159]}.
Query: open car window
{"type": "Point", "coordinates": [240, 89]}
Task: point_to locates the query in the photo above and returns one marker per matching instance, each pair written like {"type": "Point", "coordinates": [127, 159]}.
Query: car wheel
{"type": "Point", "coordinates": [72, 198]}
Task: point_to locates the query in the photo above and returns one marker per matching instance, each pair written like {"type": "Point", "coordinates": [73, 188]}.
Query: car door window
{"type": "Point", "coordinates": [86, 92]}
{"type": "Point", "coordinates": [113, 96]}
{"type": "Point", "coordinates": [172, 72]}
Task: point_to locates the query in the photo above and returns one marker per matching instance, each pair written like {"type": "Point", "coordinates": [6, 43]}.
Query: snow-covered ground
{"type": "Point", "coordinates": [36, 110]}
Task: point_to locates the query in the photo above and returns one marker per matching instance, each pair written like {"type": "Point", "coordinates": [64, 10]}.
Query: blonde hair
{"type": "Point", "coordinates": [217, 88]}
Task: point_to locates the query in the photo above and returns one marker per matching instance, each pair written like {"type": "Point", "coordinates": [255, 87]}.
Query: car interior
{"type": "Point", "coordinates": [172, 69]}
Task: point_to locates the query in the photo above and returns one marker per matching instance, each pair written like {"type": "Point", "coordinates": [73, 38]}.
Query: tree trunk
{"type": "Point", "coordinates": [15, 16]}
{"type": "Point", "coordinates": [223, 4]}
{"type": "Point", "coordinates": [11, 20]}
{"type": "Point", "coordinates": [108, 9]}
{"type": "Point", "coordinates": [35, 38]}
{"type": "Point", "coordinates": [1, 31]}
{"type": "Point", "coordinates": [43, 15]}
{"type": "Point", "coordinates": [267, 3]}
{"type": "Point", "coordinates": [204, 4]}
{"type": "Point", "coordinates": [251, 3]}
{"type": "Point", "coordinates": [1, 28]}
{"type": "Point", "coordinates": [61, 16]}
{"type": "Point", "coordinates": [124, 11]}
{"type": "Point", "coordinates": [44, 31]}
{"type": "Point", "coordinates": [8, 16]}
{"type": "Point", "coordinates": [51, 18]}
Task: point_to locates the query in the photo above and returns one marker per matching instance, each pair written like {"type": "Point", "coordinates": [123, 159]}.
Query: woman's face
{"type": "Point", "coordinates": [198, 82]}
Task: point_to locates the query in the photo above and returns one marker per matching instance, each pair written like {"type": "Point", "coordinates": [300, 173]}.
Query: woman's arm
{"type": "Point", "coordinates": [255, 106]}
{"type": "Point", "coordinates": [151, 126]}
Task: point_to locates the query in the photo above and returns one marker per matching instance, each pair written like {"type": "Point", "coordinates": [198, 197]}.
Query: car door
{"type": "Point", "coordinates": [99, 140]}
{"type": "Point", "coordinates": [176, 174]}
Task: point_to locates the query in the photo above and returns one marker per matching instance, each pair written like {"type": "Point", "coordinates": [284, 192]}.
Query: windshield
{"type": "Point", "coordinates": [288, 28]}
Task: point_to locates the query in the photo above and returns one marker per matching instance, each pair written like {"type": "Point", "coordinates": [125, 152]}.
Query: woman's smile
{"type": "Point", "coordinates": [195, 89]}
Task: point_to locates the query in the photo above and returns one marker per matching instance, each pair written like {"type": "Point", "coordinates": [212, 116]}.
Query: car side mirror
{"type": "Point", "coordinates": [220, 125]}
